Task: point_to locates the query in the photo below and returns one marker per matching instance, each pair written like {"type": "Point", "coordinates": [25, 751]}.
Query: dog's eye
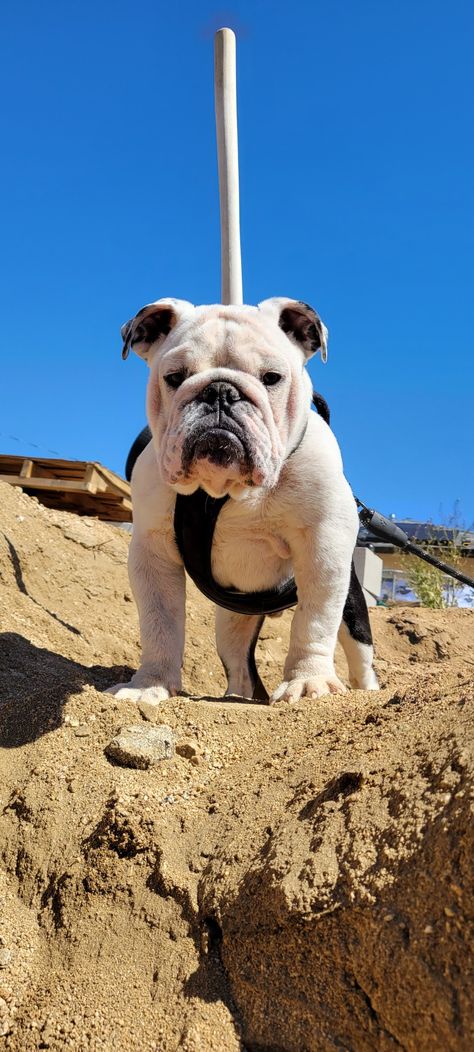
{"type": "Point", "coordinates": [175, 379]}
{"type": "Point", "coordinates": [270, 379]}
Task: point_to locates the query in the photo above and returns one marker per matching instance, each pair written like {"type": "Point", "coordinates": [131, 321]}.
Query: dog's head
{"type": "Point", "coordinates": [228, 395]}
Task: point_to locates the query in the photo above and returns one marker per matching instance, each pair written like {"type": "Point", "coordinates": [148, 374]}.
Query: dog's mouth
{"type": "Point", "coordinates": [220, 446]}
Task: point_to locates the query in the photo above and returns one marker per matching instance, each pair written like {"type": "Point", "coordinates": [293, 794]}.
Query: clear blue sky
{"type": "Point", "coordinates": [357, 184]}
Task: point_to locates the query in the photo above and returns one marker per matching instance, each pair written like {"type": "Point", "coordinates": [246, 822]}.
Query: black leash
{"type": "Point", "coordinates": [388, 531]}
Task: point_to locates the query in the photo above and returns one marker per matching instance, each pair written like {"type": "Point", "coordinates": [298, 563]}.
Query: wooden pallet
{"type": "Point", "coordinates": [72, 485]}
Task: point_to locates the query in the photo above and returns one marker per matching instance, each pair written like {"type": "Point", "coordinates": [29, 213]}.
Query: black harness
{"type": "Point", "coordinates": [195, 520]}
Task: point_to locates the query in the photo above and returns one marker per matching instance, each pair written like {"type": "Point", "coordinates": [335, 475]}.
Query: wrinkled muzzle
{"type": "Point", "coordinates": [221, 430]}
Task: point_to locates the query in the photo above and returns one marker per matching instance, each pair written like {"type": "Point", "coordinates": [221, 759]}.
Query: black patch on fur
{"type": "Point", "coordinates": [258, 690]}
{"type": "Point", "coordinates": [153, 326]}
{"type": "Point", "coordinates": [138, 446]}
{"type": "Point", "coordinates": [146, 328]}
{"type": "Point", "coordinates": [356, 614]}
{"type": "Point", "coordinates": [322, 407]}
{"type": "Point", "coordinates": [306, 328]}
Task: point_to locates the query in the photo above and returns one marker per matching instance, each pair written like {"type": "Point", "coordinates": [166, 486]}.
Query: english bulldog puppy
{"type": "Point", "coordinates": [229, 409]}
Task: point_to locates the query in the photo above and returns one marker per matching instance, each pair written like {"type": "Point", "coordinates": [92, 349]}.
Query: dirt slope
{"type": "Point", "coordinates": [293, 879]}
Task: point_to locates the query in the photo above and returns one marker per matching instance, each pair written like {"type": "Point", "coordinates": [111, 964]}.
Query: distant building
{"type": "Point", "coordinates": [440, 539]}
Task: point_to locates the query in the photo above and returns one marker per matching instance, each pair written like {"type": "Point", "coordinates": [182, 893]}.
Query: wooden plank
{"type": "Point", "coordinates": [26, 469]}
{"type": "Point", "coordinates": [78, 466]}
{"type": "Point", "coordinates": [72, 485]}
{"type": "Point", "coordinates": [110, 496]}
{"type": "Point", "coordinates": [113, 480]}
{"type": "Point", "coordinates": [92, 480]}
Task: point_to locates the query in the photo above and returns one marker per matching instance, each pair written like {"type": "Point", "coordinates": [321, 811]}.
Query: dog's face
{"type": "Point", "coordinates": [228, 394]}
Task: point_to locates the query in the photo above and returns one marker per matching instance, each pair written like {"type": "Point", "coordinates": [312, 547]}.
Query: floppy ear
{"type": "Point", "coordinates": [300, 323]}
{"type": "Point", "coordinates": [152, 324]}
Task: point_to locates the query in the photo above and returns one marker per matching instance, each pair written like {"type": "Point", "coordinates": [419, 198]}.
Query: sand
{"type": "Point", "coordinates": [292, 878]}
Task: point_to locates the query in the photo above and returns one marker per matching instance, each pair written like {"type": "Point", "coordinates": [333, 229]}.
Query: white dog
{"type": "Point", "coordinates": [229, 408]}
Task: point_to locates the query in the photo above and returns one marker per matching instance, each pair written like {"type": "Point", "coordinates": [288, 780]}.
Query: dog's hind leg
{"type": "Point", "coordinates": [355, 637]}
{"type": "Point", "coordinates": [236, 639]}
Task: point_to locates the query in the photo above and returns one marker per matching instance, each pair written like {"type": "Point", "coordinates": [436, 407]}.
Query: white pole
{"type": "Point", "coordinates": [228, 162]}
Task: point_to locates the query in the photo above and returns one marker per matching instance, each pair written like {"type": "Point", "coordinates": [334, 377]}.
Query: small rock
{"type": "Point", "coordinates": [71, 721]}
{"type": "Point", "coordinates": [187, 749]}
{"type": "Point", "coordinates": [148, 711]}
{"type": "Point", "coordinates": [142, 746]}
{"type": "Point", "coordinates": [83, 732]}
{"type": "Point", "coordinates": [5, 957]}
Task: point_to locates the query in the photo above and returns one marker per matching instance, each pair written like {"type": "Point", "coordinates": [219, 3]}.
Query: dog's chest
{"type": "Point", "coordinates": [249, 553]}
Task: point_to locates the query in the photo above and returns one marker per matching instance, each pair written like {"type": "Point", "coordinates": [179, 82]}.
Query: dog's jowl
{"type": "Point", "coordinates": [229, 409]}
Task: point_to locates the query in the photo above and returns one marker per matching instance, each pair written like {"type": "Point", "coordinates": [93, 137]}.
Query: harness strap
{"type": "Point", "coordinates": [195, 519]}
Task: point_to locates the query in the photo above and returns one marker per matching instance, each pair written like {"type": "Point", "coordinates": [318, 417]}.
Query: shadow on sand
{"type": "Point", "coordinates": [36, 682]}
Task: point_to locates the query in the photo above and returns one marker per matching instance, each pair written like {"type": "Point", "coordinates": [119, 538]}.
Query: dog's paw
{"type": "Point", "coordinates": [150, 684]}
{"type": "Point", "coordinates": [127, 692]}
{"type": "Point", "coordinates": [311, 687]}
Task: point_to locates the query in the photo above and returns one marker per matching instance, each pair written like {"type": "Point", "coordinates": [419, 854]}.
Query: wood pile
{"type": "Point", "coordinates": [70, 485]}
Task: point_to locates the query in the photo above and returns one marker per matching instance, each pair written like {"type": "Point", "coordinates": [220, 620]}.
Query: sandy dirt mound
{"type": "Point", "coordinates": [292, 879]}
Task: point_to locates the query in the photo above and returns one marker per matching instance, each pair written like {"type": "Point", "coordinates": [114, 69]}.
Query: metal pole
{"type": "Point", "coordinates": [228, 161]}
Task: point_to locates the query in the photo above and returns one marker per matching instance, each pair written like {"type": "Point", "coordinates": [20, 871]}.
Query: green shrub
{"type": "Point", "coordinates": [433, 588]}
{"type": "Point", "coordinates": [425, 581]}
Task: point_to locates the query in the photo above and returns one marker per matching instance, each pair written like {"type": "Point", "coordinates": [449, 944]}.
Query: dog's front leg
{"type": "Point", "coordinates": [158, 585]}
{"type": "Point", "coordinates": [322, 565]}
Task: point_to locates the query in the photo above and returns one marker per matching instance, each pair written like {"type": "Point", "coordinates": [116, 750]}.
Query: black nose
{"type": "Point", "coordinates": [219, 391]}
